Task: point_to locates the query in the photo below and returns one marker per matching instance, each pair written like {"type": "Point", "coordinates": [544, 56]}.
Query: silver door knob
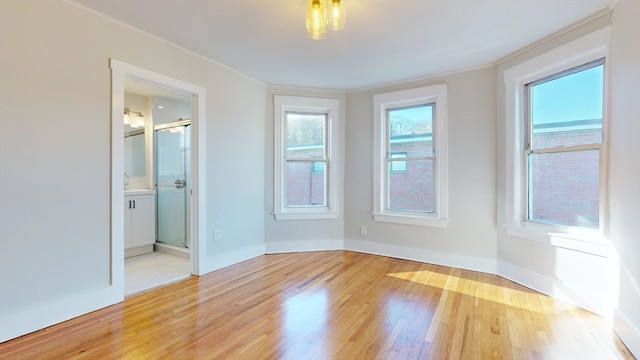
{"type": "Point", "coordinates": [180, 183]}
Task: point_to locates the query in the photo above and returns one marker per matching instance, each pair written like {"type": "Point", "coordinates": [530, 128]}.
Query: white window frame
{"type": "Point", "coordinates": [436, 94]}
{"type": "Point", "coordinates": [282, 105]}
{"type": "Point", "coordinates": [586, 49]}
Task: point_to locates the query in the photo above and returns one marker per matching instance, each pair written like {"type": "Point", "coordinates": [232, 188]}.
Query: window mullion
{"type": "Point", "coordinates": [415, 158]}
{"type": "Point", "coordinates": [306, 160]}
{"type": "Point", "coordinates": [558, 149]}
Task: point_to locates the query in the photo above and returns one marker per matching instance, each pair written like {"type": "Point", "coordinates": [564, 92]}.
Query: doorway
{"type": "Point", "coordinates": [162, 255]}
{"type": "Point", "coordinates": [130, 78]}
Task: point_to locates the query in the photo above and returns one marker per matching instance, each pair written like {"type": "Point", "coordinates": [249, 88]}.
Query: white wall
{"type": "Point", "coordinates": [55, 140]}
{"type": "Point", "coordinates": [469, 240]}
{"type": "Point", "coordinates": [235, 169]}
{"type": "Point", "coordinates": [624, 168]}
{"type": "Point", "coordinates": [301, 235]}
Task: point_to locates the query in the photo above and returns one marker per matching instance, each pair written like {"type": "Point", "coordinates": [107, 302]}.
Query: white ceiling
{"type": "Point", "coordinates": [383, 41]}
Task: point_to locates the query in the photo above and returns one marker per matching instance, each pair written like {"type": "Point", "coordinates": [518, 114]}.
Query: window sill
{"type": "Point", "coordinates": [590, 242]}
{"type": "Point", "coordinates": [306, 215]}
{"type": "Point", "coordinates": [411, 220]}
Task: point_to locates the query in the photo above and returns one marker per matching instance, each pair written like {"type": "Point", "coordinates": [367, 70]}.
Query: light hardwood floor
{"type": "Point", "coordinates": [330, 305]}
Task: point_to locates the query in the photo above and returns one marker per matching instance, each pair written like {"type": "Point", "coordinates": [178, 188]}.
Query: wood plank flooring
{"type": "Point", "coordinates": [330, 305]}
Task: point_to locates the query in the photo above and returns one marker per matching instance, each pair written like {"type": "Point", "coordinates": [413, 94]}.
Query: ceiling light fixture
{"type": "Point", "coordinates": [322, 14]}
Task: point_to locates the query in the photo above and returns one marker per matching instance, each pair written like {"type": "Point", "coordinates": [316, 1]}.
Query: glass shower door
{"type": "Point", "coordinates": [172, 170]}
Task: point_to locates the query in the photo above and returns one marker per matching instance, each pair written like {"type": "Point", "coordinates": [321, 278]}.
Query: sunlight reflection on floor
{"type": "Point", "coordinates": [506, 296]}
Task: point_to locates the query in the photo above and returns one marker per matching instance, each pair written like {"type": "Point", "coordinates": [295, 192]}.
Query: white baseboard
{"type": "Point", "coordinates": [140, 250]}
{"type": "Point", "coordinates": [627, 332]}
{"type": "Point", "coordinates": [229, 258]}
{"type": "Point", "coordinates": [276, 247]}
{"type": "Point", "coordinates": [173, 250]}
{"type": "Point", "coordinates": [54, 312]}
{"type": "Point", "coordinates": [424, 255]}
{"type": "Point", "coordinates": [588, 299]}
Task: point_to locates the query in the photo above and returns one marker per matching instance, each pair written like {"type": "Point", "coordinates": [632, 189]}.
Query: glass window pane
{"type": "Point", "coordinates": [319, 166]}
{"type": "Point", "coordinates": [305, 135]}
{"type": "Point", "coordinates": [412, 190]}
{"type": "Point", "coordinates": [397, 165]}
{"type": "Point", "coordinates": [410, 130]}
{"type": "Point", "coordinates": [563, 188]}
{"type": "Point", "coordinates": [567, 110]}
{"type": "Point", "coordinates": [305, 187]}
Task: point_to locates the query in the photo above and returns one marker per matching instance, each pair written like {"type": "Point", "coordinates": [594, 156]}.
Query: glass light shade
{"type": "Point", "coordinates": [337, 15]}
{"type": "Point", "coordinates": [139, 121]}
{"type": "Point", "coordinates": [126, 118]}
{"type": "Point", "coordinates": [316, 19]}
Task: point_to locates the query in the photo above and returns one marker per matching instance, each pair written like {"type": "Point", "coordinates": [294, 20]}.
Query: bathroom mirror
{"type": "Point", "coordinates": [134, 153]}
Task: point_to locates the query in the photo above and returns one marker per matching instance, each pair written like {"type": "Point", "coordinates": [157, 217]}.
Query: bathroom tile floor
{"type": "Point", "coordinates": [153, 269]}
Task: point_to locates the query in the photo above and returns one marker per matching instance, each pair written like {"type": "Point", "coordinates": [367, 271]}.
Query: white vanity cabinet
{"type": "Point", "coordinates": [139, 222]}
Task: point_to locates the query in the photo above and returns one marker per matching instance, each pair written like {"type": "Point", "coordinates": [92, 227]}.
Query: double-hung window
{"type": "Point", "coordinates": [555, 127]}
{"type": "Point", "coordinates": [562, 150]}
{"type": "Point", "coordinates": [306, 158]}
{"type": "Point", "coordinates": [410, 156]}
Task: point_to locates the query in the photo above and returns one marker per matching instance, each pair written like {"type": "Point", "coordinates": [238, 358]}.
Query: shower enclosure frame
{"type": "Point", "coordinates": [184, 185]}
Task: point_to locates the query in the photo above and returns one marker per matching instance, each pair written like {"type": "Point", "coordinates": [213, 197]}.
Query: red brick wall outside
{"type": "Point", "coordinates": [412, 190]}
{"type": "Point", "coordinates": [564, 186]}
{"type": "Point", "coordinates": [304, 187]}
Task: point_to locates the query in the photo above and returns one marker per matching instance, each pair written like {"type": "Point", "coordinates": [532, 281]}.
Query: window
{"type": "Point", "coordinates": [562, 150]}
{"type": "Point", "coordinates": [305, 161]}
{"type": "Point", "coordinates": [555, 122]}
{"type": "Point", "coordinates": [410, 156]}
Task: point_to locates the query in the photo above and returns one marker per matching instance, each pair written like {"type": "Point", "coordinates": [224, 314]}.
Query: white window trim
{"type": "Point", "coordinates": [588, 48]}
{"type": "Point", "coordinates": [429, 94]}
{"type": "Point", "coordinates": [283, 104]}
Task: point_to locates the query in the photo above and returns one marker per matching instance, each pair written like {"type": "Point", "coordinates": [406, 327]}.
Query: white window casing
{"type": "Point", "coordinates": [583, 50]}
{"type": "Point", "coordinates": [436, 95]}
{"type": "Point", "coordinates": [295, 104]}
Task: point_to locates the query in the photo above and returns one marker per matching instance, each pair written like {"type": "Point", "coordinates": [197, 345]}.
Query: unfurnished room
{"type": "Point", "coordinates": [319, 179]}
